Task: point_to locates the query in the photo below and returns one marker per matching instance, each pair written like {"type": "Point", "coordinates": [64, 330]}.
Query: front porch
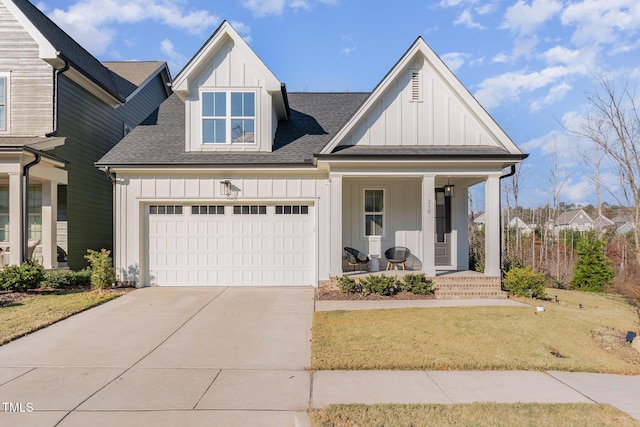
{"type": "Point", "coordinates": [428, 214]}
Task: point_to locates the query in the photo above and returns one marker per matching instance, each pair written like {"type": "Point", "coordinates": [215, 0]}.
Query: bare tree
{"type": "Point", "coordinates": [614, 126]}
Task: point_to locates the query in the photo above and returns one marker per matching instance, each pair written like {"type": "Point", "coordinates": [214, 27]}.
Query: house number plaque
{"type": "Point", "coordinates": [429, 206]}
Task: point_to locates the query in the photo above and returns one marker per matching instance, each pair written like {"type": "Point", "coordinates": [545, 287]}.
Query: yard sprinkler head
{"type": "Point", "coordinates": [530, 294]}
{"type": "Point", "coordinates": [556, 297]}
{"type": "Point", "coordinates": [580, 304]}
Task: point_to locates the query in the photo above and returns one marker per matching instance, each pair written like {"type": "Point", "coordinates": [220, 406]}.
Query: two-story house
{"type": "Point", "coordinates": [61, 110]}
{"type": "Point", "coordinates": [236, 181]}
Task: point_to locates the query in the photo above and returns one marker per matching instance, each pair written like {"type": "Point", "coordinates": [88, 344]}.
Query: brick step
{"type": "Point", "coordinates": [467, 285]}
{"type": "Point", "coordinates": [470, 294]}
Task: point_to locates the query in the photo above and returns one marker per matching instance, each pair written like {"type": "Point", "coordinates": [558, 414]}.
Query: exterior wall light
{"type": "Point", "coordinates": [448, 189]}
{"type": "Point", "coordinates": [225, 188]}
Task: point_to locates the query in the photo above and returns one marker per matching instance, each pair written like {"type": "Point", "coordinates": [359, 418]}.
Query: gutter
{"type": "Point", "coordinates": [56, 103]}
{"type": "Point", "coordinates": [24, 212]}
{"type": "Point", "coordinates": [511, 172]}
{"type": "Point", "coordinates": [107, 171]}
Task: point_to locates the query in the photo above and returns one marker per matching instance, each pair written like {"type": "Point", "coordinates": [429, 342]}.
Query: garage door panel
{"type": "Point", "coordinates": [256, 248]}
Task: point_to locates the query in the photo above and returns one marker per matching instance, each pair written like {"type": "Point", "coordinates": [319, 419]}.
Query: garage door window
{"type": "Point", "coordinates": [292, 210]}
{"type": "Point", "coordinates": [250, 210]}
{"type": "Point", "coordinates": [165, 210]}
{"type": "Point", "coordinates": [207, 210]}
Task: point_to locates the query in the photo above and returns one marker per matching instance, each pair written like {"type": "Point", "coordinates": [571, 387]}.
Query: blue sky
{"type": "Point", "coordinates": [530, 63]}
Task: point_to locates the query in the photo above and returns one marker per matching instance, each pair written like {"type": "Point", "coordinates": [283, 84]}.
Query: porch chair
{"type": "Point", "coordinates": [31, 246]}
{"type": "Point", "coordinates": [397, 256]}
{"type": "Point", "coordinates": [355, 258]}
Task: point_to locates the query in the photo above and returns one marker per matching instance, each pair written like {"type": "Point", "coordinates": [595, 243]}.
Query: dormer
{"type": "Point", "coordinates": [232, 101]}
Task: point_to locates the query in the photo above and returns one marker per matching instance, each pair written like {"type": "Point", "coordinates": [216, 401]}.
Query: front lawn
{"type": "Point", "coordinates": [563, 337]}
{"type": "Point", "coordinates": [475, 414]}
{"type": "Point", "coordinates": [34, 312]}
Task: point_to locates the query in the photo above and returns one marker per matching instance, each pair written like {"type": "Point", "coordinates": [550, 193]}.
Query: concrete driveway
{"type": "Point", "coordinates": [166, 356]}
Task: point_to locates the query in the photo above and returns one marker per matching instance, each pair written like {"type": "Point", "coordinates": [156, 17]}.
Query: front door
{"type": "Point", "coordinates": [443, 228]}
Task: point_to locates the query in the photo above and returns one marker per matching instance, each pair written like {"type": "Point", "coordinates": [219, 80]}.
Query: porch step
{"type": "Point", "coordinates": [467, 287]}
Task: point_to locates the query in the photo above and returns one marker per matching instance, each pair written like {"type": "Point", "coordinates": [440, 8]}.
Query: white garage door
{"type": "Point", "coordinates": [230, 244]}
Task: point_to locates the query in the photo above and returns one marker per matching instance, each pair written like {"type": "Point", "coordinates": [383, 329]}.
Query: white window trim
{"type": "Point", "coordinates": [228, 117]}
{"type": "Point", "coordinates": [7, 106]}
{"type": "Point", "coordinates": [365, 213]}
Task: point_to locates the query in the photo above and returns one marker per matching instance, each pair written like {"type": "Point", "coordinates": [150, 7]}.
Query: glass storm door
{"type": "Point", "coordinates": [443, 228]}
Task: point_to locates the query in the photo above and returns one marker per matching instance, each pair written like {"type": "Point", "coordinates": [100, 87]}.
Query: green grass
{"type": "Point", "coordinates": [472, 415]}
{"type": "Point", "coordinates": [29, 315]}
{"type": "Point", "coordinates": [477, 338]}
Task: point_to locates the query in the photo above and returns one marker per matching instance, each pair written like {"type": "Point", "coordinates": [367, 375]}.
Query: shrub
{"type": "Point", "coordinates": [520, 280]}
{"type": "Point", "coordinates": [348, 285]}
{"type": "Point", "coordinates": [417, 284]}
{"type": "Point", "coordinates": [381, 285]}
{"type": "Point", "coordinates": [20, 278]}
{"type": "Point", "coordinates": [593, 270]}
{"type": "Point", "coordinates": [102, 271]}
{"type": "Point", "coordinates": [59, 279]}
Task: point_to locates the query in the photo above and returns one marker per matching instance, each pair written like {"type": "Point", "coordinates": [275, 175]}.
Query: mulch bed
{"type": "Point", "coordinates": [336, 295]}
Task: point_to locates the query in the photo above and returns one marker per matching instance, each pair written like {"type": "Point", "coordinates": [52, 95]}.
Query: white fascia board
{"type": "Point", "coordinates": [46, 49]}
{"type": "Point", "coordinates": [48, 143]}
{"type": "Point", "coordinates": [210, 48]}
{"type": "Point", "coordinates": [420, 46]}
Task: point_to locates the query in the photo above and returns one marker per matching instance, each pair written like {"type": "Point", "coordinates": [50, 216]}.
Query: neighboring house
{"type": "Point", "coordinates": [519, 224]}
{"type": "Point", "coordinates": [235, 181]}
{"type": "Point", "coordinates": [60, 111]}
{"type": "Point", "coordinates": [602, 223]}
{"type": "Point", "coordinates": [478, 219]}
{"type": "Point", "coordinates": [575, 220]}
{"type": "Point", "coordinates": [623, 224]}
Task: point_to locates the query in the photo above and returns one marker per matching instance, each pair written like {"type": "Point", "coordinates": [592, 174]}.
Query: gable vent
{"type": "Point", "coordinates": [416, 91]}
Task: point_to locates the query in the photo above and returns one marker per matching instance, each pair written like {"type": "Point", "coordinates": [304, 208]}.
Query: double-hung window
{"type": "Point", "coordinates": [373, 212]}
{"type": "Point", "coordinates": [228, 117]}
{"type": "Point", "coordinates": [4, 101]}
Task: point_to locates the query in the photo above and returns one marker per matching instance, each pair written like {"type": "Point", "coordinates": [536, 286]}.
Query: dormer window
{"type": "Point", "coordinates": [4, 101]}
{"type": "Point", "coordinates": [228, 117]}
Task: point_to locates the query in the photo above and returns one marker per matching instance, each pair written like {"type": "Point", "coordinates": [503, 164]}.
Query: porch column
{"type": "Point", "coordinates": [335, 239]}
{"type": "Point", "coordinates": [428, 225]}
{"type": "Point", "coordinates": [49, 224]}
{"type": "Point", "coordinates": [15, 218]}
{"type": "Point", "coordinates": [492, 226]}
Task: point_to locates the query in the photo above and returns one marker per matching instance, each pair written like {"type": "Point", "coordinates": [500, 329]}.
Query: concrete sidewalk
{"type": "Point", "coordinates": [233, 357]}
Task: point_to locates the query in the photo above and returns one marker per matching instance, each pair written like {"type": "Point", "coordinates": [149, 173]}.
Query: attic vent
{"type": "Point", "coordinates": [416, 91]}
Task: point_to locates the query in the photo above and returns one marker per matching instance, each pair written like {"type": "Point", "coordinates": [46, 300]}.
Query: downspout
{"type": "Point", "coordinates": [24, 213]}
{"type": "Point", "coordinates": [107, 171]}
{"type": "Point", "coordinates": [56, 73]}
{"type": "Point", "coordinates": [511, 173]}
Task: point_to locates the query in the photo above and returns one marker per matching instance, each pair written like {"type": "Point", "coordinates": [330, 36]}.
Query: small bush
{"type": "Point", "coordinates": [20, 278]}
{"type": "Point", "coordinates": [348, 285]}
{"type": "Point", "coordinates": [102, 272]}
{"type": "Point", "coordinates": [519, 281]}
{"type": "Point", "coordinates": [417, 284]}
{"type": "Point", "coordinates": [381, 285]}
{"type": "Point", "coordinates": [61, 279]}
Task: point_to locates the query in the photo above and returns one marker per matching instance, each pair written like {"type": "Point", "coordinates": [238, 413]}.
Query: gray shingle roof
{"type": "Point", "coordinates": [82, 60]}
{"type": "Point", "coordinates": [136, 72]}
{"type": "Point", "coordinates": [160, 139]}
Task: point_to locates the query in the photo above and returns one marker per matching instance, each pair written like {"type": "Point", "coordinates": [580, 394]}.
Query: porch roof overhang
{"type": "Point", "coordinates": [22, 149]}
{"type": "Point", "coordinates": [426, 153]}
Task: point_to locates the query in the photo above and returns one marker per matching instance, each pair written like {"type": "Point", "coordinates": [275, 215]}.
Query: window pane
{"type": "Point", "coordinates": [170, 210]}
{"type": "Point", "coordinates": [178, 210]}
{"type": "Point", "coordinates": [279, 210]}
{"type": "Point", "coordinates": [236, 104]}
{"type": "Point", "coordinates": [153, 210]}
{"type": "Point", "coordinates": [373, 225]}
{"type": "Point", "coordinates": [220, 210]}
{"type": "Point", "coordinates": [262, 210]}
{"type": "Point", "coordinates": [237, 131]}
{"type": "Point", "coordinates": [2, 120]}
{"type": "Point", "coordinates": [249, 104]}
{"type": "Point", "coordinates": [207, 104]}
{"type": "Point", "coordinates": [254, 210]}
{"type": "Point", "coordinates": [162, 210]}
{"type": "Point", "coordinates": [221, 131]}
{"type": "Point", "coordinates": [195, 210]}
{"type": "Point", "coordinates": [374, 200]}
{"type": "Point", "coordinates": [220, 107]}
{"type": "Point", "coordinates": [304, 210]}
{"type": "Point", "coordinates": [287, 210]}
{"type": "Point", "coordinates": [245, 210]}
{"type": "Point", "coordinates": [208, 127]}
{"type": "Point", "coordinates": [237, 210]}
{"type": "Point", "coordinates": [249, 133]}
{"type": "Point", "coordinates": [4, 199]}
{"type": "Point", "coordinates": [203, 210]}
{"type": "Point", "coordinates": [296, 210]}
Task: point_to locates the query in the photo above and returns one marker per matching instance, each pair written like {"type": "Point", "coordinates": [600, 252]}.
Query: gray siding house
{"type": "Point", "coordinates": [61, 110]}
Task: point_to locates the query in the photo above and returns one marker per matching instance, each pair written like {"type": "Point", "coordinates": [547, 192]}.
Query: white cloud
{"type": "Point", "coordinates": [176, 60]}
{"type": "Point", "coordinates": [501, 58]}
{"type": "Point", "coordinates": [509, 86]}
{"type": "Point", "coordinates": [526, 18]}
{"type": "Point", "coordinates": [454, 60]}
{"type": "Point", "coordinates": [556, 94]}
{"type": "Point", "coordinates": [603, 21]}
{"type": "Point", "coordinates": [348, 50]}
{"type": "Point", "coordinates": [465, 18]}
{"type": "Point", "coordinates": [577, 191]}
{"type": "Point", "coordinates": [560, 55]}
{"type": "Point", "coordinates": [91, 21]}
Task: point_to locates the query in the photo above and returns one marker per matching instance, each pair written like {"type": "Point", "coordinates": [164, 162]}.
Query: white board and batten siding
{"type": "Point", "coordinates": [434, 116]}
{"type": "Point", "coordinates": [225, 248]}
